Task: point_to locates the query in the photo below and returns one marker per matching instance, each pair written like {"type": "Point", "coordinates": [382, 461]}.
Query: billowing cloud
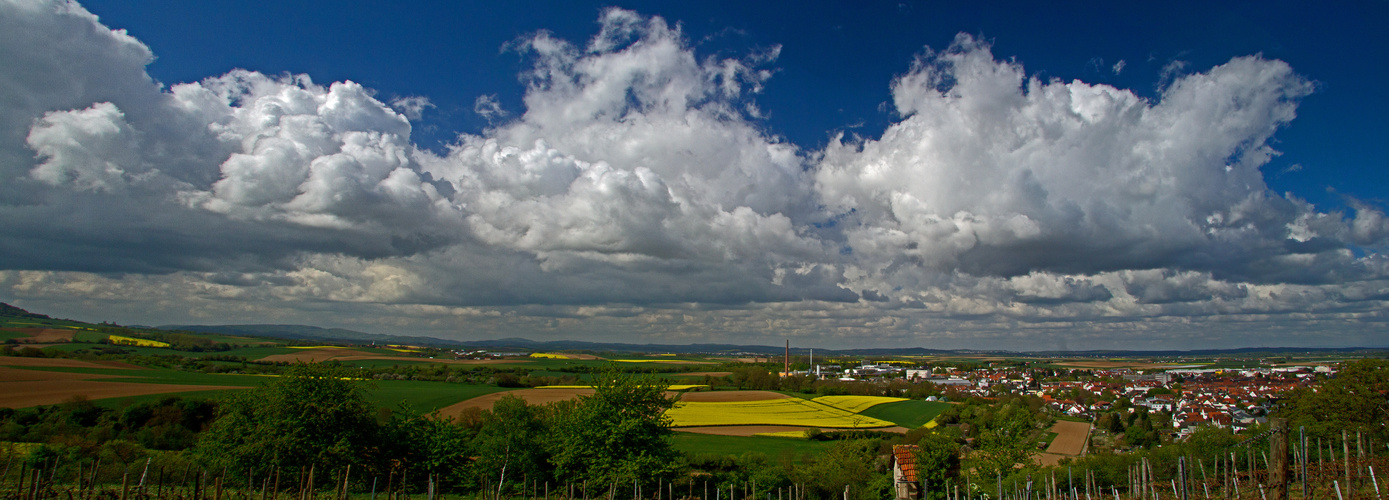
{"type": "Point", "coordinates": [637, 193]}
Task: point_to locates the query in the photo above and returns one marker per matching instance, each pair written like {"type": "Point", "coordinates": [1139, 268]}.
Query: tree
{"type": "Point", "coordinates": [314, 414]}
{"type": "Point", "coordinates": [1004, 441]}
{"type": "Point", "coordinates": [1357, 399]}
{"type": "Point", "coordinates": [937, 459]}
{"type": "Point", "coordinates": [437, 445]}
{"type": "Point", "coordinates": [618, 434]}
{"type": "Point", "coordinates": [509, 443]}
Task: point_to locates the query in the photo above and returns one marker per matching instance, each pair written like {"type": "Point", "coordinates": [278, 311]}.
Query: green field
{"type": "Point", "coordinates": [692, 443]}
{"type": "Point", "coordinates": [909, 414]}
{"type": "Point", "coordinates": [424, 396]}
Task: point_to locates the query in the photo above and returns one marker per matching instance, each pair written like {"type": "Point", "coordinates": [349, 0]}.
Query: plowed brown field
{"type": "Point", "coordinates": [532, 396]}
{"type": "Point", "coordinates": [1070, 438]}
{"type": "Point", "coordinates": [46, 392]}
{"type": "Point", "coordinates": [64, 363]}
{"type": "Point", "coordinates": [43, 335]}
{"type": "Point", "coordinates": [21, 388]}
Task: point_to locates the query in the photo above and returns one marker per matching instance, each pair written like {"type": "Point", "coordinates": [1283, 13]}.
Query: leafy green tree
{"type": "Point", "coordinates": [1004, 441]}
{"type": "Point", "coordinates": [937, 459]}
{"type": "Point", "coordinates": [314, 414]}
{"type": "Point", "coordinates": [429, 444]}
{"type": "Point", "coordinates": [848, 463]}
{"type": "Point", "coordinates": [510, 443]}
{"type": "Point", "coordinates": [1357, 399]}
{"type": "Point", "coordinates": [616, 435]}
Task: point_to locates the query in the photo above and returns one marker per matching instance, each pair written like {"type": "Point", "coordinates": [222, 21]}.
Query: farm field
{"type": "Point", "coordinates": [425, 396]}
{"type": "Point", "coordinates": [532, 396]}
{"type": "Point", "coordinates": [784, 411]}
{"type": "Point", "coordinates": [37, 384]}
{"type": "Point", "coordinates": [731, 396]}
{"type": "Point", "coordinates": [1070, 438]}
{"type": "Point", "coordinates": [40, 381]}
{"type": "Point", "coordinates": [910, 413]}
{"type": "Point", "coordinates": [855, 404]}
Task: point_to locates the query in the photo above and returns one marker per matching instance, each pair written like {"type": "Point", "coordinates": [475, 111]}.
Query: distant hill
{"type": "Point", "coordinates": [313, 333]}
{"type": "Point", "coordinates": [7, 310]}
{"type": "Point", "coordinates": [304, 332]}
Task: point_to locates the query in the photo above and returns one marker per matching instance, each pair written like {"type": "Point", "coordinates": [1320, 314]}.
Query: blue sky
{"type": "Point", "coordinates": [1183, 175]}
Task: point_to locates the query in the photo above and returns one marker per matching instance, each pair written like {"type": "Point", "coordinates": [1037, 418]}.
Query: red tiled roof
{"type": "Point", "coordinates": [905, 455]}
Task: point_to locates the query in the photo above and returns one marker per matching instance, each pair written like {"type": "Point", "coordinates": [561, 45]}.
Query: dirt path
{"type": "Point", "coordinates": [1070, 438]}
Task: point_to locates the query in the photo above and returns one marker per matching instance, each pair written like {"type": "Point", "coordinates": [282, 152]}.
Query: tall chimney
{"type": "Point", "coordinates": [788, 358]}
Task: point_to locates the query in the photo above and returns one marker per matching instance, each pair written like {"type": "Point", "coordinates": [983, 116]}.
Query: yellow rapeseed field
{"type": "Point", "coordinates": [119, 340]}
{"type": "Point", "coordinates": [789, 411]}
{"type": "Point", "coordinates": [548, 355]}
{"type": "Point", "coordinates": [855, 404]}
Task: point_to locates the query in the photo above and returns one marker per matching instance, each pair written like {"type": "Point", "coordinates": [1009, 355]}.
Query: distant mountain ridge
{"type": "Point", "coordinates": [305, 332]}
{"type": "Point", "coordinates": [302, 332]}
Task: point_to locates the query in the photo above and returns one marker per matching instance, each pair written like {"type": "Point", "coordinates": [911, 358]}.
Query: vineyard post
{"type": "Point", "coordinates": [345, 476]}
{"type": "Point", "coordinates": [1278, 453]}
{"type": "Point", "coordinates": [1375, 482]}
{"type": "Point", "coordinates": [125, 482]}
{"type": "Point", "coordinates": [1345, 458]}
{"type": "Point", "coordinates": [1302, 457]}
{"type": "Point", "coordinates": [91, 485]}
{"type": "Point", "coordinates": [1359, 458]}
{"type": "Point", "coordinates": [1204, 480]}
